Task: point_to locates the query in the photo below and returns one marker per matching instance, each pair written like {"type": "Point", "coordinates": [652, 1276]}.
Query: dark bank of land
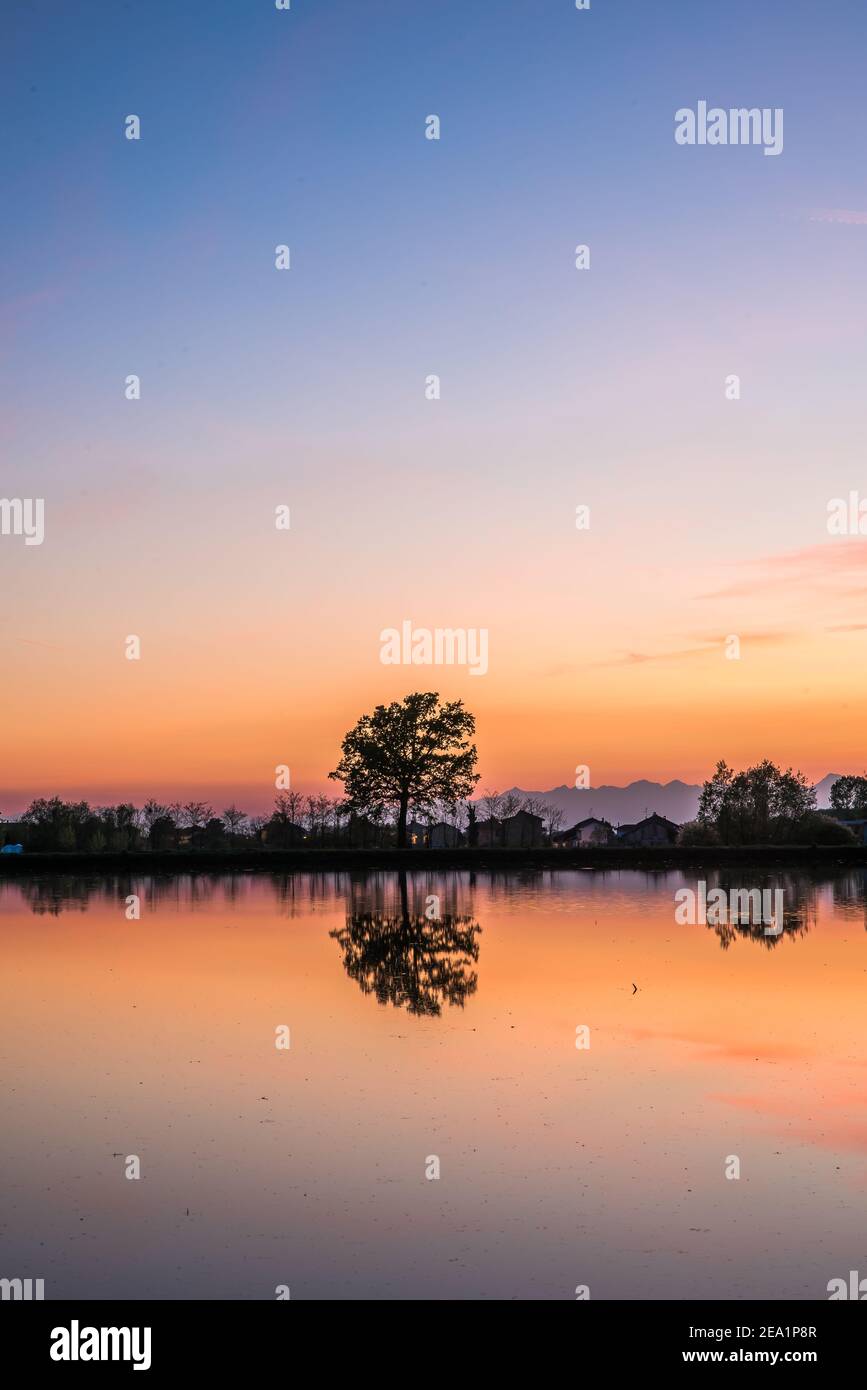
{"type": "Point", "coordinates": [422, 860]}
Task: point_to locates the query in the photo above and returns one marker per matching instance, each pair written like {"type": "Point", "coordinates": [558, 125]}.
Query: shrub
{"type": "Point", "coordinates": [816, 829]}
{"type": "Point", "coordinates": [698, 832]}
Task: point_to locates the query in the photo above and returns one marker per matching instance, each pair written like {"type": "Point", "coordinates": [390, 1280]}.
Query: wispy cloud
{"type": "Point", "coordinates": [709, 644]}
{"type": "Point", "coordinates": [833, 560]}
{"type": "Point", "coordinates": [857, 219]}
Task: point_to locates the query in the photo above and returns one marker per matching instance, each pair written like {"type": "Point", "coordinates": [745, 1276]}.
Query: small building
{"type": "Point", "coordinates": [523, 830]}
{"type": "Point", "coordinates": [444, 836]}
{"type": "Point", "coordinates": [590, 831]}
{"type": "Point", "coordinates": [489, 832]}
{"type": "Point", "coordinates": [653, 830]}
{"type": "Point", "coordinates": [282, 834]}
{"type": "Point", "coordinates": [416, 834]}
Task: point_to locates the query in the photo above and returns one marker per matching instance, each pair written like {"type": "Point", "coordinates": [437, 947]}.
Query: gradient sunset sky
{"type": "Point", "coordinates": [410, 257]}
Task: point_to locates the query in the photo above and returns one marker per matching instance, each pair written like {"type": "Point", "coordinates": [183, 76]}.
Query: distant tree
{"type": "Point", "coordinates": [285, 826]}
{"type": "Point", "coordinates": [213, 834]}
{"type": "Point", "coordinates": [233, 819]}
{"type": "Point", "coordinates": [286, 808]}
{"type": "Point", "coordinates": [816, 829]}
{"type": "Point", "coordinates": [406, 753]}
{"type": "Point", "coordinates": [196, 814]}
{"type": "Point", "coordinates": [151, 812]}
{"type": "Point", "coordinates": [120, 825]}
{"type": "Point", "coordinates": [450, 813]}
{"type": "Point", "coordinates": [510, 804]}
{"type": "Point", "coordinates": [697, 832]}
{"type": "Point", "coordinates": [374, 828]}
{"type": "Point", "coordinates": [554, 818]}
{"type": "Point", "coordinates": [714, 806]}
{"type": "Point", "coordinates": [849, 798]}
{"type": "Point", "coordinates": [163, 832]}
{"type": "Point", "coordinates": [342, 817]}
{"type": "Point", "coordinates": [472, 825]}
{"type": "Point", "coordinates": [57, 824]}
{"type": "Point", "coordinates": [338, 815]}
{"type": "Point", "coordinates": [328, 813]}
{"type": "Point", "coordinates": [756, 806]}
{"type": "Point", "coordinates": [96, 840]}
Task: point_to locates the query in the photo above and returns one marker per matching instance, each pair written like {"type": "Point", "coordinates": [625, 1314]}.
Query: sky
{"type": "Point", "coordinates": [603, 387]}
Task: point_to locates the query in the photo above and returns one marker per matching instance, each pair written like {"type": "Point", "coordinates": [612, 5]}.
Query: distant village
{"type": "Point", "coordinates": [310, 822]}
{"type": "Point", "coordinates": [527, 830]}
{"type": "Point", "coordinates": [758, 806]}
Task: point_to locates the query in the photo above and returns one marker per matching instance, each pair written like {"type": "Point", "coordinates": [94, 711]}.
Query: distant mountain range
{"type": "Point", "coordinates": [625, 805]}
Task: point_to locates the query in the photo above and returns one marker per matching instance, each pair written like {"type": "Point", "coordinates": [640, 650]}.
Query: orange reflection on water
{"type": "Point", "coordinates": [410, 1038]}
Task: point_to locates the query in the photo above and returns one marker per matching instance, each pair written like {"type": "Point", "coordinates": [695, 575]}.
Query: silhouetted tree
{"type": "Point", "coordinates": [554, 817]}
{"type": "Point", "coordinates": [406, 754]}
{"type": "Point", "coordinates": [849, 798]}
{"type": "Point", "coordinates": [57, 824]}
{"type": "Point", "coordinates": [285, 826]}
{"type": "Point", "coordinates": [233, 819]}
{"type": "Point", "coordinates": [756, 806]}
{"type": "Point", "coordinates": [151, 812]}
{"type": "Point", "coordinates": [163, 833]}
{"type": "Point", "coordinates": [195, 815]}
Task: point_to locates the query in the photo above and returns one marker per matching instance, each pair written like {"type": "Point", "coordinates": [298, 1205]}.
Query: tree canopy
{"type": "Point", "coordinates": [410, 753]}
{"type": "Point", "coordinates": [757, 806]}
{"type": "Point", "coordinates": [849, 797]}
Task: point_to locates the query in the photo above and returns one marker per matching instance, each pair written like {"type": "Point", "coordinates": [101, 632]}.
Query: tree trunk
{"type": "Point", "coordinates": [401, 821]}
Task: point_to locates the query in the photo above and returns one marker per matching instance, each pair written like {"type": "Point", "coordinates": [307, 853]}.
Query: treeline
{"type": "Point", "coordinates": [763, 805]}
{"type": "Point", "coordinates": [55, 824]}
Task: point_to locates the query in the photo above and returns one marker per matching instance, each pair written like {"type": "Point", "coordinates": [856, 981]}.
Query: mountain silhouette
{"type": "Point", "coordinates": [676, 800]}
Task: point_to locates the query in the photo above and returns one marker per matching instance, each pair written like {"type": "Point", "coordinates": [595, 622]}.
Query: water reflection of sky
{"type": "Point", "coordinates": [410, 1038]}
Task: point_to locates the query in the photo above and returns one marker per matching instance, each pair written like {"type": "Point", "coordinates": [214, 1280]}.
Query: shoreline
{"type": "Point", "coordinates": [422, 860]}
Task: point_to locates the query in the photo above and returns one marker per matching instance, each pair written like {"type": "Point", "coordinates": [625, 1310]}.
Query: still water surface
{"type": "Point", "coordinates": [413, 1039]}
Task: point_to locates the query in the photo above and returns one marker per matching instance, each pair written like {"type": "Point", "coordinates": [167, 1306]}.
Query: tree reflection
{"type": "Point", "coordinates": [800, 898]}
{"type": "Point", "coordinates": [409, 960]}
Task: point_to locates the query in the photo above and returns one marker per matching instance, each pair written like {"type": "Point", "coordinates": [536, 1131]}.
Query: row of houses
{"type": "Point", "coordinates": [652, 830]}
{"type": "Point", "coordinates": [524, 830]}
